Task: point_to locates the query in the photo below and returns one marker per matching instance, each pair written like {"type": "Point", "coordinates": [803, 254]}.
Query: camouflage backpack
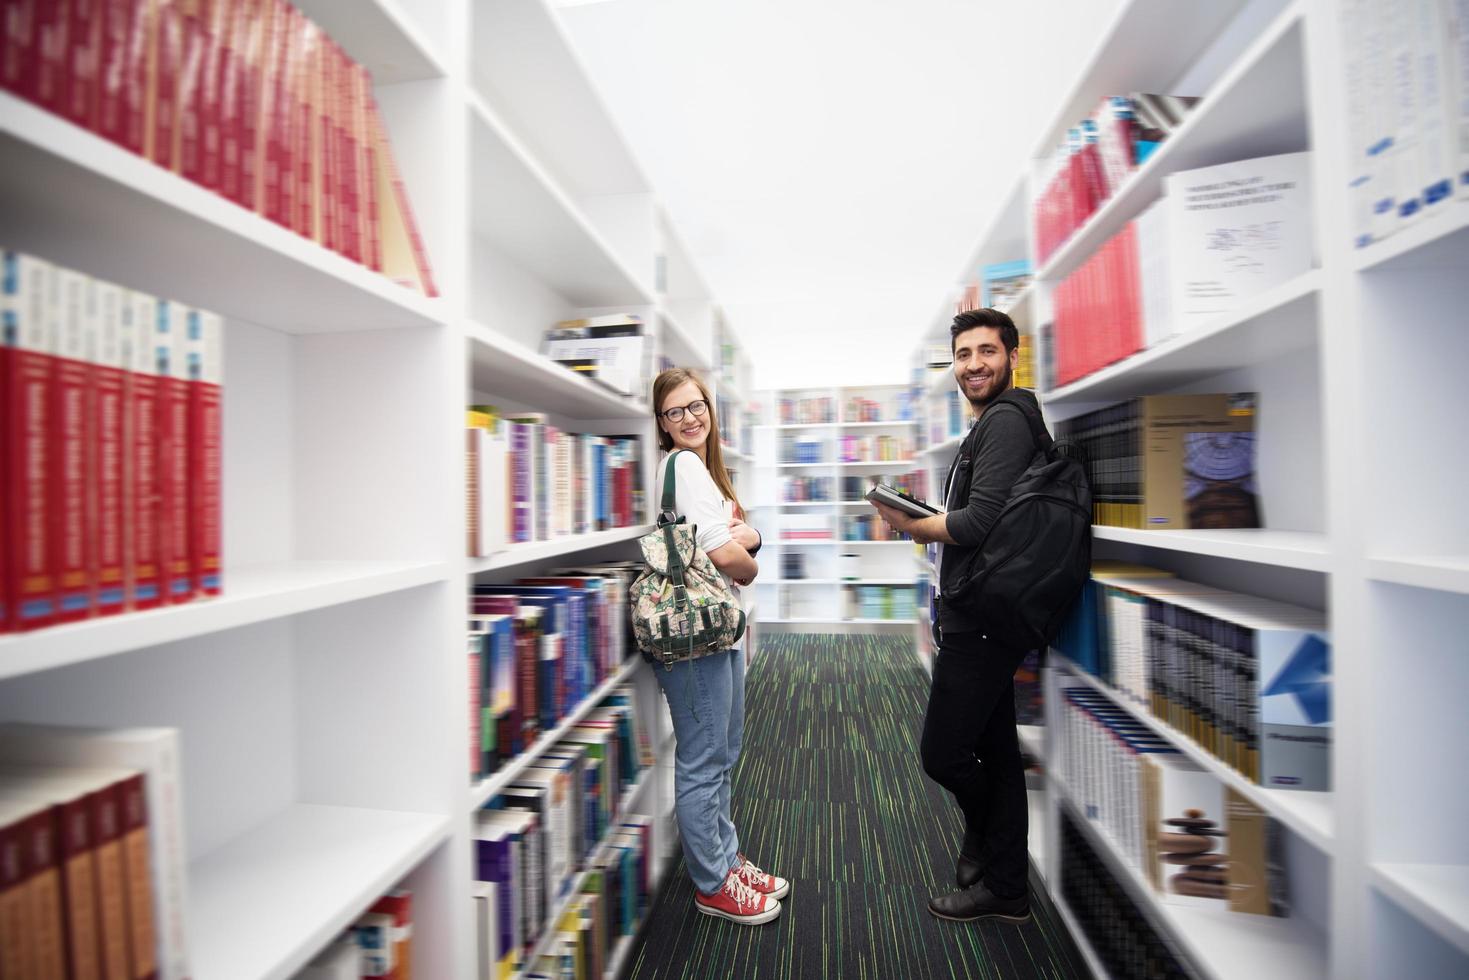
{"type": "Point", "coordinates": [681, 607]}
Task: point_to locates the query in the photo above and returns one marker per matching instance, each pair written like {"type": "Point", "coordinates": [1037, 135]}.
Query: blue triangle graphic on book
{"type": "Point", "coordinates": [1306, 673]}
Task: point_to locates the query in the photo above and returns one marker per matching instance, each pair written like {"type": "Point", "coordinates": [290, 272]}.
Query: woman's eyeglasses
{"type": "Point", "coordinates": [695, 408]}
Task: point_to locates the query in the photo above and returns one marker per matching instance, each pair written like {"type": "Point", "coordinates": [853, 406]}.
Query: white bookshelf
{"type": "Point", "coordinates": [320, 699]}
{"type": "Point", "coordinates": [1362, 511]}
{"type": "Point", "coordinates": [824, 597]}
{"type": "Point", "coordinates": [298, 880]}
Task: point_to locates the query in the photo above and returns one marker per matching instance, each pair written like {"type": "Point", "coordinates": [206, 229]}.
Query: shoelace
{"type": "Point", "coordinates": [751, 874]}
{"type": "Point", "coordinates": [743, 894]}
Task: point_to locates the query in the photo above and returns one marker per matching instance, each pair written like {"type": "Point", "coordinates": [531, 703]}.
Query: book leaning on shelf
{"type": "Point", "coordinates": [110, 439]}
{"type": "Point", "coordinates": [96, 817]}
{"type": "Point", "coordinates": [247, 98]}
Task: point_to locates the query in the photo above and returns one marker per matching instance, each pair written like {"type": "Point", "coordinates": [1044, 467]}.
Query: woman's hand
{"type": "Point", "coordinates": [743, 534]}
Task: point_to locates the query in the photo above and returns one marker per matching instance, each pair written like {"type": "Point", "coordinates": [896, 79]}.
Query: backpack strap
{"type": "Point", "coordinates": [667, 507]}
{"type": "Point", "coordinates": [1038, 433]}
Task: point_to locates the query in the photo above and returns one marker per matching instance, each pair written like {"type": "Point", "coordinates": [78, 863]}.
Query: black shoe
{"type": "Point", "coordinates": [967, 871]}
{"type": "Point", "coordinates": [976, 902]}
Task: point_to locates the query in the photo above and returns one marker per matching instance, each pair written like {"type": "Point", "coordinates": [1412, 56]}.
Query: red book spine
{"type": "Point", "coordinates": [1134, 283]}
{"type": "Point", "coordinates": [251, 91]}
{"type": "Point", "coordinates": [268, 138]}
{"type": "Point", "coordinates": [304, 128]}
{"type": "Point", "coordinates": [343, 177]}
{"type": "Point", "coordinates": [112, 52]}
{"type": "Point", "coordinates": [326, 151]}
{"type": "Point", "coordinates": [194, 53]}
{"type": "Point", "coordinates": [53, 23]}
{"type": "Point", "coordinates": [172, 434]}
{"type": "Point", "coordinates": [83, 59]}
{"type": "Point", "coordinates": [109, 408]}
{"type": "Point", "coordinates": [284, 116]}
{"type": "Point", "coordinates": [166, 62]}
{"type": "Point", "coordinates": [141, 478]}
{"type": "Point", "coordinates": [205, 371]}
{"type": "Point", "coordinates": [231, 96]}
{"type": "Point", "coordinates": [216, 39]}
{"type": "Point", "coordinates": [372, 160]}
{"type": "Point", "coordinates": [474, 714]}
{"type": "Point", "coordinates": [67, 519]}
{"type": "Point", "coordinates": [19, 53]}
{"type": "Point", "coordinates": [31, 295]}
{"type": "Point", "coordinates": [362, 177]}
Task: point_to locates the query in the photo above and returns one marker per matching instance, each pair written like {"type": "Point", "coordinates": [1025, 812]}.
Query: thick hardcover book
{"type": "Point", "coordinates": [170, 347]}
{"type": "Point", "coordinates": [71, 389]}
{"type": "Point", "coordinates": [165, 57]}
{"type": "Point", "coordinates": [52, 27]}
{"type": "Point", "coordinates": [252, 25]}
{"type": "Point", "coordinates": [152, 833]}
{"type": "Point", "coordinates": [405, 258]}
{"type": "Point", "coordinates": [497, 860]}
{"type": "Point", "coordinates": [107, 463]}
{"type": "Point", "coordinates": [141, 476]}
{"type": "Point", "coordinates": [26, 372]}
{"type": "Point", "coordinates": [204, 346]}
{"type": "Point", "coordinates": [188, 136]}
{"type": "Point", "coordinates": [476, 696]}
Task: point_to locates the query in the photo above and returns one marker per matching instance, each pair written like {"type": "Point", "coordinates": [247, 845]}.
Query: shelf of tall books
{"type": "Point", "coordinates": [1205, 256]}
{"type": "Point", "coordinates": [832, 564]}
{"type": "Point", "coordinates": [313, 475]}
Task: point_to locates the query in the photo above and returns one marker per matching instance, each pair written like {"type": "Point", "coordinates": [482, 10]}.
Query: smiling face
{"type": "Point", "coordinates": [982, 366]}
{"type": "Point", "coordinates": [691, 431]}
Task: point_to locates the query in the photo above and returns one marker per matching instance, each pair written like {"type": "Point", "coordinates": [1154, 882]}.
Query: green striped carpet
{"type": "Point", "coordinates": [830, 794]}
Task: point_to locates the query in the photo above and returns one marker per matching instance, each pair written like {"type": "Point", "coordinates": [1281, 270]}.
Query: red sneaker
{"type": "Point", "coordinates": [738, 902]}
{"type": "Point", "coordinates": [760, 881]}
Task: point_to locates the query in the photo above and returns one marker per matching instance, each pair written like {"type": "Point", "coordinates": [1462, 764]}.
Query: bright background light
{"type": "Point", "coordinates": [831, 163]}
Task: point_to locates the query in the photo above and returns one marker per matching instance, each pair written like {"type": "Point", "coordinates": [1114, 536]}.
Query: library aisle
{"type": "Point", "coordinates": [829, 793]}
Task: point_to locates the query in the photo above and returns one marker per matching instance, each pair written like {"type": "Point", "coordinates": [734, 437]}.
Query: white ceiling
{"type": "Point", "coordinates": [831, 163]}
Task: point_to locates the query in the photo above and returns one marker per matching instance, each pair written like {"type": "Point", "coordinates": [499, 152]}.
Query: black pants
{"type": "Point", "coordinates": [971, 749]}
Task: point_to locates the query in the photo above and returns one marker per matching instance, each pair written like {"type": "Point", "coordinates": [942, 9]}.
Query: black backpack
{"type": "Point", "coordinates": [1022, 579]}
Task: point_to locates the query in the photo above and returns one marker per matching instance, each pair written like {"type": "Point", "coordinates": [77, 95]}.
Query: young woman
{"type": "Point", "coordinates": [706, 696]}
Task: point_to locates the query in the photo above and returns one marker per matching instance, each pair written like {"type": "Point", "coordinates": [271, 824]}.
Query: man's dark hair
{"type": "Point", "coordinates": [969, 319]}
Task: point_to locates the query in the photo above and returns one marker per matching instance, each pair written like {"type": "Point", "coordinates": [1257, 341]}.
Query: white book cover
{"type": "Point", "coordinates": [1403, 160]}
{"type": "Point", "coordinates": [1237, 230]}
{"type": "Point", "coordinates": [154, 752]}
{"type": "Point", "coordinates": [1436, 150]}
{"type": "Point", "coordinates": [1153, 273]}
{"type": "Point", "coordinates": [494, 492]}
{"type": "Point", "coordinates": [1456, 43]}
{"type": "Point", "coordinates": [486, 926]}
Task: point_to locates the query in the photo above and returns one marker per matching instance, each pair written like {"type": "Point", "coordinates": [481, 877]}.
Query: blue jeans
{"type": "Point", "coordinates": [706, 698]}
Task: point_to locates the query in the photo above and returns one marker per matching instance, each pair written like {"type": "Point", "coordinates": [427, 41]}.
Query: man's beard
{"type": "Point", "coordinates": [996, 390]}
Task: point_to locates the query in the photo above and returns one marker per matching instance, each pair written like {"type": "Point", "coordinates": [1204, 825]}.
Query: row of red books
{"type": "Point", "coordinates": [110, 445]}
{"type": "Point", "coordinates": [1098, 310]}
{"type": "Point", "coordinates": [248, 98]}
{"type": "Point", "coordinates": [1097, 158]}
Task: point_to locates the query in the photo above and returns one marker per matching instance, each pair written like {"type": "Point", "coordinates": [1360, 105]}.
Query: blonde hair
{"type": "Point", "coordinates": [663, 386]}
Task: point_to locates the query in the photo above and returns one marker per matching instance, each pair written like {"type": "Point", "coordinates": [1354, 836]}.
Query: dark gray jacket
{"type": "Point", "coordinates": [998, 449]}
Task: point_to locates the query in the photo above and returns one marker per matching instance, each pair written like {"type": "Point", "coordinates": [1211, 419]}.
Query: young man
{"type": "Point", "coordinates": [970, 746]}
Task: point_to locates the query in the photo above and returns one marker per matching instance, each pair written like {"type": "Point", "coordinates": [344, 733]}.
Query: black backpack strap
{"type": "Point", "coordinates": [1038, 432]}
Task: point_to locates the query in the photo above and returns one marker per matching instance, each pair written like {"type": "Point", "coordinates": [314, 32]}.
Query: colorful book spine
{"type": "Point", "coordinates": [71, 389]}
{"type": "Point", "coordinates": [109, 408]}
